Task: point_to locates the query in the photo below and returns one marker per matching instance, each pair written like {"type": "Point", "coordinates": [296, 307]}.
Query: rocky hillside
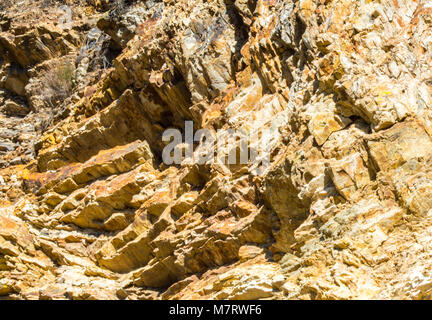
{"type": "Point", "coordinates": [89, 209]}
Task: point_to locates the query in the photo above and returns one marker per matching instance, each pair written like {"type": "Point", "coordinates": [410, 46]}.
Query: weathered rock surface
{"type": "Point", "coordinates": [89, 211]}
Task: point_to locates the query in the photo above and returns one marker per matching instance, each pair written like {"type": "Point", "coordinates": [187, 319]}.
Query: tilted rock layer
{"type": "Point", "coordinates": [343, 211]}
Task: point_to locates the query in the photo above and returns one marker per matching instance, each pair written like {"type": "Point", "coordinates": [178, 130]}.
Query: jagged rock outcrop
{"type": "Point", "coordinates": [341, 212]}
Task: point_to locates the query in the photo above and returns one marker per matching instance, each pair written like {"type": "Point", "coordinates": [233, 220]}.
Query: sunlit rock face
{"type": "Point", "coordinates": [340, 89]}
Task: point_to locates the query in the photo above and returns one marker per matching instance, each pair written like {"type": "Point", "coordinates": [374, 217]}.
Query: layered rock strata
{"type": "Point", "coordinates": [342, 212]}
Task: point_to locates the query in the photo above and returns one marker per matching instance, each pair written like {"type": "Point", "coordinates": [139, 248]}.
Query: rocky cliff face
{"type": "Point", "coordinates": [88, 209]}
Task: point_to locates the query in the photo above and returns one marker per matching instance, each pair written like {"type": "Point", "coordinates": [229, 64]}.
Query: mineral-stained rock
{"type": "Point", "coordinates": [339, 91]}
{"type": "Point", "coordinates": [11, 108]}
{"type": "Point", "coordinates": [400, 144]}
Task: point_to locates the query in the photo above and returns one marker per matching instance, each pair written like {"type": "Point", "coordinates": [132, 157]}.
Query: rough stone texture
{"type": "Point", "coordinates": [343, 211]}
